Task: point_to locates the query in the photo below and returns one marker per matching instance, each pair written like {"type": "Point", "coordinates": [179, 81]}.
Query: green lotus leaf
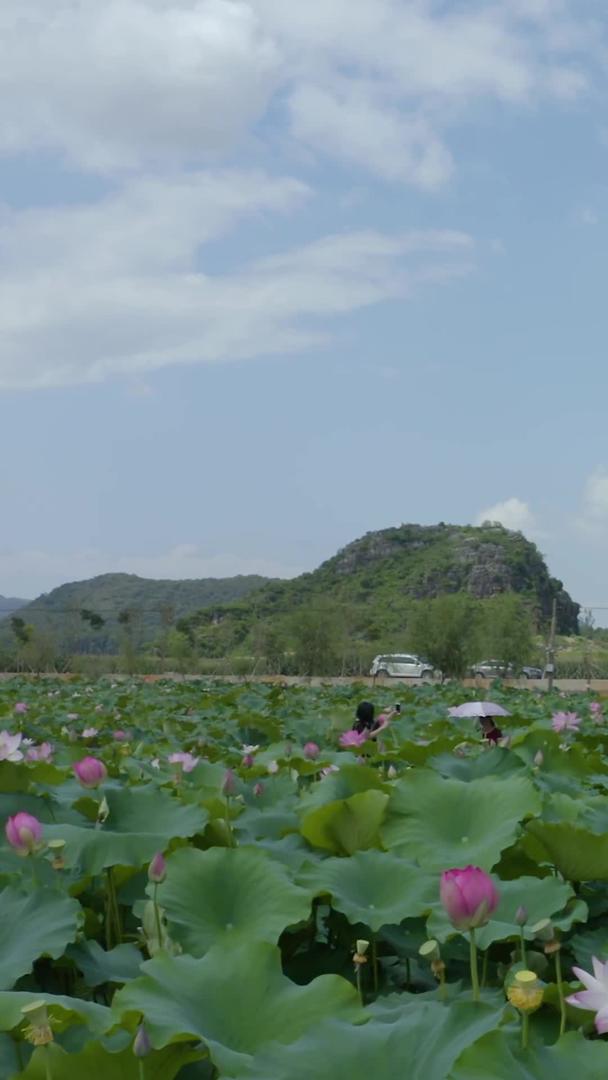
{"type": "Point", "coordinates": [373, 887]}
{"type": "Point", "coordinates": [236, 999]}
{"type": "Point", "coordinates": [350, 780]}
{"type": "Point", "coordinates": [98, 966]}
{"type": "Point", "coordinates": [33, 924]}
{"type": "Point", "coordinates": [348, 825]}
{"type": "Point", "coordinates": [421, 1044]}
{"type": "Point", "coordinates": [97, 1061]}
{"type": "Point", "coordinates": [580, 855]}
{"type": "Point", "coordinates": [543, 898]}
{"type": "Point", "coordinates": [214, 896]}
{"type": "Point", "coordinates": [65, 1012]}
{"type": "Point", "coordinates": [447, 823]}
{"type": "Point", "coordinates": [141, 822]}
{"type": "Point", "coordinates": [498, 1055]}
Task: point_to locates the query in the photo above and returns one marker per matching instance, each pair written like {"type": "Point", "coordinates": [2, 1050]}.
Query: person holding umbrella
{"type": "Point", "coordinates": [485, 711]}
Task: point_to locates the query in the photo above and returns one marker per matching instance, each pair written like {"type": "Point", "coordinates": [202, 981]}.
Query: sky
{"type": "Point", "coordinates": [273, 275]}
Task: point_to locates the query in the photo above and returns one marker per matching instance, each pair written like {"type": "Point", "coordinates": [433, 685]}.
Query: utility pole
{"type": "Point", "coordinates": [550, 665]}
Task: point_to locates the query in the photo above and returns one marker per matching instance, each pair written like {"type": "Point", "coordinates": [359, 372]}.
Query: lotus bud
{"type": "Point", "coordinates": [539, 758]}
{"type": "Point", "coordinates": [273, 768]}
{"type": "Point", "coordinates": [469, 897]}
{"type": "Point", "coordinates": [258, 790]}
{"type": "Point", "coordinates": [103, 811]}
{"type": "Point", "coordinates": [311, 751]}
{"type": "Point", "coordinates": [21, 707]}
{"type": "Point", "coordinates": [391, 772]}
{"type": "Point", "coordinates": [526, 991]}
{"type": "Point", "coordinates": [90, 772]}
{"type": "Point", "coordinates": [521, 915]}
{"type": "Point", "coordinates": [38, 1032]}
{"type": "Point", "coordinates": [288, 749]}
{"type": "Point", "coordinates": [229, 784]}
{"type": "Point", "coordinates": [56, 848]}
{"type": "Point", "coordinates": [157, 870]}
{"type": "Point", "coordinates": [362, 947]}
{"type": "Point", "coordinates": [24, 833]}
{"type": "Point", "coordinates": [248, 761]}
{"type": "Point", "coordinates": [141, 1043]}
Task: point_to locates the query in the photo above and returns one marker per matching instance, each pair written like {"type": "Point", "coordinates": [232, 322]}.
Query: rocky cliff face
{"type": "Point", "coordinates": [484, 561]}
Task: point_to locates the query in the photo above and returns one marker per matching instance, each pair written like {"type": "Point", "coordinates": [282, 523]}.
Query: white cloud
{"type": "Point", "coordinates": [126, 83]}
{"type": "Point", "coordinates": [595, 496]}
{"type": "Point", "coordinates": [29, 573]}
{"type": "Point", "coordinates": [513, 514]}
{"type": "Point", "coordinates": [120, 288]}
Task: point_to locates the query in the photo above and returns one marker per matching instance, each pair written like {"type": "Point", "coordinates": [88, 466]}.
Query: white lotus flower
{"type": "Point", "coordinates": [595, 997]}
{"type": "Point", "coordinates": [9, 746]}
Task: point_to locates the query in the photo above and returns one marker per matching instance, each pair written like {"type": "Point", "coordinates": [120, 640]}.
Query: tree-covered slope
{"type": "Point", "coordinates": [89, 615]}
{"type": "Point", "coordinates": [376, 579]}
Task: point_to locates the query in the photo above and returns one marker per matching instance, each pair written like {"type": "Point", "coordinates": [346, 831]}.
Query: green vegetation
{"type": "Point", "coordinates": [176, 905]}
{"type": "Point", "coordinates": [456, 594]}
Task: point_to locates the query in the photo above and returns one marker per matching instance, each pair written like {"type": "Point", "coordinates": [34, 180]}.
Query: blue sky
{"type": "Point", "coordinates": [273, 275]}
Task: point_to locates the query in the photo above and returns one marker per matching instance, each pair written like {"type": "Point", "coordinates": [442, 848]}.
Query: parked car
{"type": "Point", "coordinates": [533, 672]}
{"type": "Point", "coordinates": [402, 666]}
{"type": "Point", "coordinates": [493, 669]}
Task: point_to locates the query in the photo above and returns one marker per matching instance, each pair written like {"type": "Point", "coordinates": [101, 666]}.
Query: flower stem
{"type": "Point", "coordinates": [473, 960]}
{"type": "Point", "coordinates": [523, 947]}
{"type": "Point", "coordinates": [142, 1073]}
{"type": "Point", "coordinates": [157, 917]}
{"type": "Point", "coordinates": [560, 991]}
{"type": "Point", "coordinates": [360, 983]}
{"type": "Point", "coordinates": [48, 1068]}
{"type": "Point", "coordinates": [525, 1020]}
{"type": "Point", "coordinates": [375, 963]}
{"type": "Point", "coordinates": [229, 823]}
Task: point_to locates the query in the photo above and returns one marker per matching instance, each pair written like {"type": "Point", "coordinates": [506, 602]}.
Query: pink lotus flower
{"type": "Point", "coordinates": [24, 833]}
{"type": "Point", "coordinates": [120, 736]}
{"type": "Point", "coordinates": [187, 761]}
{"type": "Point", "coordinates": [272, 768]}
{"type": "Point", "coordinates": [90, 733]}
{"type": "Point", "coordinates": [353, 738]}
{"type": "Point", "coordinates": [9, 746]}
{"type": "Point", "coordinates": [21, 707]}
{"type": "Point", "coordinates": [469, 897]}
{"type": "Point", "coordinates": [311, 751]}
{"type": "Point", "coordinates": [90, 772]}
{"type": "Point", "coordinates": [596, 710]}
{"type": "Point", "coordinates": [595, 996]}
{"type": "Point", "coordinates": [73, 716]}
{"type": "Point", "coordinates": [565, 721]}
{"type": "Point", "coordinates": [44, 752]}
{"type": "Point", "coordinates": [157, 870]}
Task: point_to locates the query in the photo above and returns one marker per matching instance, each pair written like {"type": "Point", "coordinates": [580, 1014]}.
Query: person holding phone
{"type": "Point", "coordinates": [365, 719]}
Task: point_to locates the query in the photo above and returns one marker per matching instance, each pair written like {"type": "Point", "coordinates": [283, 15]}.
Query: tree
{"type": "Point", "coordinates": [506, 630]}
{"type": "Point", "coordinates": [444, 631]}
{"type": "Point", "coordinates": [317, 640]}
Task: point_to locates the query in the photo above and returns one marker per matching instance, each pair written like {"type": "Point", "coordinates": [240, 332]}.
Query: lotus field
{"type": "Point", "coordinates": [208, 881]}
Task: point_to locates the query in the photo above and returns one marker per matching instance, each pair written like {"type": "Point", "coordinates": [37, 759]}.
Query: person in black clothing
{"type": "Point", "coordinates": [365, 719]}
{"type": "Point", "coordinates": [490, 732]}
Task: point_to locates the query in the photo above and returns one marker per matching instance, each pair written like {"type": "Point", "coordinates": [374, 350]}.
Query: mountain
{"type": "Point", "coordinates": [72, 613]}
{"type": "Point", "coordinates": [375, 579]}
{"type": "Point", "coordinates": [10, 604]}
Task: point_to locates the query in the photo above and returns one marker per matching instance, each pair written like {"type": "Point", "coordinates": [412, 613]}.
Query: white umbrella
{"type": "Point", "coordinates": [477, 708]}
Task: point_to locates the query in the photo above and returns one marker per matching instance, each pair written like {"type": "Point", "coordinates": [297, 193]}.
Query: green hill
{"type": "Point", "coordinates": [93, 615]}
{"type": "Point", "coordinates": [375, 580]}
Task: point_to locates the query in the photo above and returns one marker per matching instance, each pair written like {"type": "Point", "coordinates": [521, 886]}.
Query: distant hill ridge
{"type": "Point", "coordinates": [375, 579]}
{"type": "Point", "coordinates": [379, 575]}
{"type": "Point", "coordinates": [151, 605]}
{"type": "Point", "coordinates": [9, 604]}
